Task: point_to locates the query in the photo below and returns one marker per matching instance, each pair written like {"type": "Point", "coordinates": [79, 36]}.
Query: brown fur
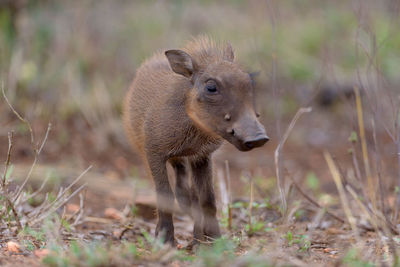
{"type": "Point", "coordinates": [170, 115]}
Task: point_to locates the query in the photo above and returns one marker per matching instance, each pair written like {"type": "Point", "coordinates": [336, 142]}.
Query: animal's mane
{"type": "Point", "coordinates": [205, 50]}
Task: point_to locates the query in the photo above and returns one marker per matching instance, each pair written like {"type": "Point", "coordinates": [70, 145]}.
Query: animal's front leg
{"type": "Point", "coordinates": [165, 200]}
{"type": "Point", "coordinates": [202, 181]}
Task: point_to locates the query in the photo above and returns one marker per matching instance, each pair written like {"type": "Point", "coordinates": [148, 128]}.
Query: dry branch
{"type": "Point", "coordinates": [228, 177]}
{"type": "Point", "coordinates": [315, 203]}
{"type": "Point", "coordinates": [279, 178]}
{"type": "Point", "coordinates": [371, 190]}
{"type": "Point", "coordinates": [336, 177]}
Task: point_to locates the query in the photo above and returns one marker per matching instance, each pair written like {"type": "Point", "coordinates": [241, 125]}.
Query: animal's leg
{"type": "Point", "coordinates": [165, 199]}
{"type": "Point", "coordinates": [202, 182]}
{"type": "Point", "coordinates": [187, 198]}
{"type": "Point", "coordinates": [182, 187]}
{"type": "Point", "coordinates": [197, 217]}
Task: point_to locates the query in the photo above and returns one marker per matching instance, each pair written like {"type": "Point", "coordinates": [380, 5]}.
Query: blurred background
{"type": "Point", "coordinates": [71, 62]}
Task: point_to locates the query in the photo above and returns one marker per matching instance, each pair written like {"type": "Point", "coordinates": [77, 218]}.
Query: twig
{"type": "Point", "coordinates": [371, 191]}
{"type": "Point", "coordinates": [37, 153]}
{"type": "Point", "coordinates": [372, 219]}
{"type": "Point", "coordinates": [8, 202]}
{"type": "Point", "coordinates": [228, 177]}
{"type": "Point", "coordinates": [36, 150]}
{"type": "Point", "coordinates": [379, 171]}
{"type": "Point", "coordinates": [55, 206]}
{"type": "Point", "coordinates": [251, 204]}
{"type": "Point", "coordinates": [336, 177]}
{"type": "Point", "coordinates": [315, 203]}
{"type": "Point", "coordinates": [37, 191]}
{"type": "Point", "coordinates": [8, 159]}
{"type": "Point", "coordinates": [19, 116]}
{"type": "Point", "coordinates": [62, 193]}
{"type": "Point", "coordinates": [223, 191]}
{"type": "Point", "coordinates": [81, 210]}
{"type": "Point", "coordinates": [281, 185]}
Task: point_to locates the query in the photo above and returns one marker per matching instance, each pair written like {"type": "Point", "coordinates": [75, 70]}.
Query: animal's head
{"type": "Point", "coordinates": [222, 98]}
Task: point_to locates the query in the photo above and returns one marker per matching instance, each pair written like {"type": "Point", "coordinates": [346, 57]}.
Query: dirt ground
{"type": "Point", "coordinates": [109, 197]}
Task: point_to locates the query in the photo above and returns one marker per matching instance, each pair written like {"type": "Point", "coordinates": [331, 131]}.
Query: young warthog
{"type": "Point", "coordinates": [179, 109]}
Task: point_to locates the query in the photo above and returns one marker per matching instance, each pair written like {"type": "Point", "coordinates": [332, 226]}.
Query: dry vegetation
{"type": "Point", "coordinates": [325, 190]}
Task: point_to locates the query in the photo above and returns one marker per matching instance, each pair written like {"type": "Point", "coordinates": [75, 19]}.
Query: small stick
{"type": "Point", "coordinates": [35, 148]}
{"type": "Point", "coordinates": [251, 204]}
{"type": "Point", "coordinates": [97, 220]}
{"type": "Point", "coordinates": [9, 203]}
{"type": "Point", "coordinates": [315, 202]}
{"type": "Point", "coordinates": [355, 162]}
{"type": "Point", "coordinates": [228, 177]}
{"type": "Point", "coordinates": [371, 219]}
{"type": "Point", "coordinates": [278, 149]}
{"type": "Point", "coordinates": [19, 116]}
{"type": "Point", "coordinates": [371, 191]}
{"type": "Point", "coordinates": [37, 153]}
{"type": "Point", "coordinates": [336, 177]}
{"type": "Point", "coordinates": [379, 171]}
{"type": "Point", "coordinates": [7, 164]}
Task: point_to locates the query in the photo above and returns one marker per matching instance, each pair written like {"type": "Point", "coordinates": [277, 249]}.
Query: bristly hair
{"type": "Point", "coordinates": [204, 50]}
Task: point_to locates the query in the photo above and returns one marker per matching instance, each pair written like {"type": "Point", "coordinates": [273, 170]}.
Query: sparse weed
{"type": "Point", "coordinates": [221, 251]}
{"type": "Point", "coordinates": [353, 258]}
{"type": "Point", "coordinates": [301, 240]}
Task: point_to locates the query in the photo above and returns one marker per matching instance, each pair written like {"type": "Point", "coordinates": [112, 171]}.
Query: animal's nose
{"type": "Point", "coordinates": [257, 141]}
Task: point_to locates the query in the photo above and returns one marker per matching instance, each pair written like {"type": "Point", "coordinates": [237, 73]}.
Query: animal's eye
{"type": "Point", "coordinates": [211, 87]}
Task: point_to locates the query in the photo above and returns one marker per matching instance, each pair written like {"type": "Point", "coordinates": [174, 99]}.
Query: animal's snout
{"type": "Point", "coordinates": [258, 141]}
{"type": "Point", "coordinates": [247, 133]}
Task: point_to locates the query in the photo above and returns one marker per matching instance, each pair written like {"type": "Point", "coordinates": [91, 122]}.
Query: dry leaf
{"type": "Point", "coordinates": [40, 253]}
{"type": "Point", "coordinates": [72, 208]}
{"type": "Point", "coordinates": [113, 213]}
{"type": "Point", "coordinates": [117, 233]}
{"type": "Point", "coordinates": [13, 247]}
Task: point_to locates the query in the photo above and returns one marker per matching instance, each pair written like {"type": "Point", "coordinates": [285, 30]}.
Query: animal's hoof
{"type": "Point", "coordinates": [170, 241]}
{"type": "Point", "coordinates": [193, 245]}
{"type": "Point", "coordinates": [211, 232]}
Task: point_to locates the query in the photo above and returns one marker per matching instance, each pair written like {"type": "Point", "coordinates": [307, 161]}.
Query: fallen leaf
{"type": "Point", "coordinates": [334, 231]}
{"type": "Point", "coordinates": [72, 208]}
{"type": "Point", "coordinates": [40, 253]}
{"type": "Point", "coordinates": [13, 246]}
{"type": "Point", "coordinates": [113, 213]}
{"type": "Point", "coordinates": [117, 233]}
{"type": "Point", "coordinates": [327, 250]}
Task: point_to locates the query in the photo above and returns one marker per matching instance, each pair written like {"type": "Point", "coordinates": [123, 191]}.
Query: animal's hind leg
{"type": "Point", "coordinates": [182, 186]}
{"type": "Point", "coordinates": [202, 182]}
{"type": "Point", "coordinates": [187, 197]}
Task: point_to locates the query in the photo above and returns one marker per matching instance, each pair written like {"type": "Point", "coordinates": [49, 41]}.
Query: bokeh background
{"type": "Point", "coordinates": [71, 62]}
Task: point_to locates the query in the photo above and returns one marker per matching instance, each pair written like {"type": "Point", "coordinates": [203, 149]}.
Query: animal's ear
{"type": "Point", "coordinates": [228, 52]}
{"type": "Point", "coordinates": [180, 62]}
